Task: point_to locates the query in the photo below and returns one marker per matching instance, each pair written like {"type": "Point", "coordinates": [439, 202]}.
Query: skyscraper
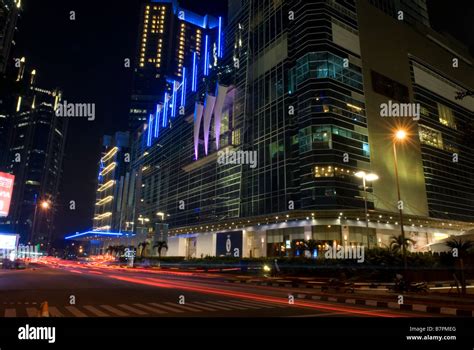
{"type": "Point", "coordinates": [35, 152]}
{"type": "Point", "coordinates": [168, 38]}
{"type": "Point", "coordinates": [115, 186]}
{"type": "Point", "coordinates": [412, 11]}
{"type": "Point", "coordinates": [9, 12]}
{"type": "Point", "coordinates": [272, 139]}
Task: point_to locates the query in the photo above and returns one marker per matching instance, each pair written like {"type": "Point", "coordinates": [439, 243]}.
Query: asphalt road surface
{"type": "Point", "coordinates": [93, 290]}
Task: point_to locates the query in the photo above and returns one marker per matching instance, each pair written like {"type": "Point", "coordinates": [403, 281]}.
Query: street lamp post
{"type": "Point", "coordinates": [400, 136]}
{"type": "Point", "coordinates": [44, 205]}
{"type": "Point", "coordinates": [366, 177]}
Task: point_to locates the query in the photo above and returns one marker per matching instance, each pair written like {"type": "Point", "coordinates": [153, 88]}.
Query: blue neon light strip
{"type": "Point", "coordinates": [99, 233]}
{"type": "Point", "coordinates": [183, 88]}
{"type": "Point", "coordinates": [219, 39]}
{"type": "Point", "coordinates": [150, 128]}
{"type": "Point", "coordinates": [175, 100]}
{"type": "Point", "coordinates": [206, 57]}
{"type": "Point", "coordinates": [157, 121]}
{"type": "Point", "coordinates": [165, 110]}
{"type": "Point", "coordinates": [194, 86]}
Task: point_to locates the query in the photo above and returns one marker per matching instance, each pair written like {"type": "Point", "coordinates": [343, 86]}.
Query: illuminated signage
{"type": "Point", "coordinates": [6, 190]}
{"type": "Point", "coordinates": [194, 85]}
{"type": "Point", "coordinates": [219, 39]}
{"type": "Point", "coordinates": [8, 242]}
{"type": "Point", "coordinates": [206, 56]}
{"type": "Point", "coordinates": [150, 128]}
{"type": "Point", "coordinates": [183, 88]}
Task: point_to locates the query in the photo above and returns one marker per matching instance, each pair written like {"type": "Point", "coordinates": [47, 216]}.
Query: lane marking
{"type": "Point", "coordinates": [234, 306]}
{"type": "Point", "coordinates": [10, 313]}
{"type": "Point", "coordinates": [114, 310]}
{"type": "Point", "coordinates": [96, 311]}
{"type": "Point", "coordinates": [152, 309]}
{"type": "Point", "coordinates": [206, 308]}
{"type": "Point", "coordinates": [54, 312]}
{"type": "Point", "coordinates": [248, 306]}
{"type": "Point", "coordinates": [75, 311]}
{"type": "Point", "coordinates": [183, 307]}
{"type": "Point", "coordinates": [261, 305]}
{"type": "Point", "coordinates": [216, 306]}
{"type": "Point", "coordinates": [132, 309]}
{"type": "Point", "coordinates": [32, 312]}
{"type": "Point", "coordinates": [220, 306]}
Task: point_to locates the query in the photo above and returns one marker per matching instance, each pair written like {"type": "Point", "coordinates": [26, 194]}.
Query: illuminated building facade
{"type": "Point", "coordinates": [9, 12]}
{"type": "Point", "coordinates": [169, 39]}
{"type": "Point", "coordinates": [35, 150]}
{"type": "Point", "coordinates": [304, 95]}
{"type": "Point", "coordinates": [115, 187]}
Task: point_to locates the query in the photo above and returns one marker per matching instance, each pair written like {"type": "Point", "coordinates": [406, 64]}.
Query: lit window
{"type": "Point", "coordinates": [431, 137]}
{"type": "Point", "coordinates": [446, 116]}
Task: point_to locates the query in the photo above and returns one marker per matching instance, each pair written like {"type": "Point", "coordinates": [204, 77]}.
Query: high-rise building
{"type": "Point", "coordinates": [169, 36]}
{"type": "Point", "coordinates": [412, 11]}
{"type": "Point", "coordinates": [9, 12]}
{"type": "Point", "coordinates": [277, 133]}
{"type": "Point", "coordinates": [35, 148]}
{"type": "Point", "coordinates": [115, 187]}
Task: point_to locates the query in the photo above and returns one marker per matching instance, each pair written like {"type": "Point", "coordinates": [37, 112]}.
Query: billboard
{"type": "Point", "coordinates": [6, 190]}
{"type": "Point", "coordinates": [8, 242]}
{"type": "Point", "coordinates": [229, 244]}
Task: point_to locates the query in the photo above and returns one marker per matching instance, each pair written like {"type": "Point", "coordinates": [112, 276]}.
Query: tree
{"type": "Point", "coordinates": [120, 250]}
{"type": "Point", "coordinates": [460, 247]}
{"type": "Point", "coordinates": [396, 243]}
{"type": "Point", "coordinates": [160, 245]}
{"type": "Point", "coordinates": [111, 249]}
{"type": "Point", "coordinates": [142, 246]}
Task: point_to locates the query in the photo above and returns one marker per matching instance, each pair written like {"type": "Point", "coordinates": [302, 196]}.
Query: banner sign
{"type": "Point", "coordinates": [6, 190]}
{"type": "Point", "coordinates": [229, 244]}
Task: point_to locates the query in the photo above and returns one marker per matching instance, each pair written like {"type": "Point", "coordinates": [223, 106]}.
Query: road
{"type": "Point", "coordinates": [94, 290]}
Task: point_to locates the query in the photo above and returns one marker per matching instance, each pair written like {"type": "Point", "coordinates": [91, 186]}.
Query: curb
{"type": "Point", "coordinates": [392, 305]}
{"type": "Point", "coordinates": [316, 285]}
{"type": "Point", "coordinates": [367, 302]}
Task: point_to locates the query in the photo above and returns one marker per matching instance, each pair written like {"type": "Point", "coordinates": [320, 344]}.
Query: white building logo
{"type": "Point", "coordinates": [228, 245]}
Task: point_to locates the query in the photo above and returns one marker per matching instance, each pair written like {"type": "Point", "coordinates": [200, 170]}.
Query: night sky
{"type": "Point", "coordinates": [85, 58]}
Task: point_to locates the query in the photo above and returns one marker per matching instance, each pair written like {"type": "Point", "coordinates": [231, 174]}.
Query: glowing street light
{"type": "Point", "coordinates": [45, 205]}
{"type": "Point", "coordinates": [400, 134]}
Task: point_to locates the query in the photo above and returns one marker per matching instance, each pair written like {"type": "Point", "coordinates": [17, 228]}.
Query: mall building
{"type": "Point", "coordinates": [301, 85]}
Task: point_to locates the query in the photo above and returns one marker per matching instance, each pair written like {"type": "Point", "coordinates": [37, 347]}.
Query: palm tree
{"type": "Point", "coordinates": [461, 247]}
{"type": "Point", "coordinates": [112, 249]}
{"type": "Point", "coordinates": [120, 250]}
{"type": "Point", "coordinates": [160, 245]}
{"type": "Point", "coordinates": [142, 246]}
{"type": "Point", "coordinates": [397, 242]}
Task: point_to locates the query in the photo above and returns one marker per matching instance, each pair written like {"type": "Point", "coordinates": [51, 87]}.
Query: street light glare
{"type": "Point", "coordinates": [45, 205]}
{"type": "Point", "coordinates": [372, 177]}
{"type": "Point", "coordinates": [367, 177]}
{"type": "Point", "coordinates": [401, 134]}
